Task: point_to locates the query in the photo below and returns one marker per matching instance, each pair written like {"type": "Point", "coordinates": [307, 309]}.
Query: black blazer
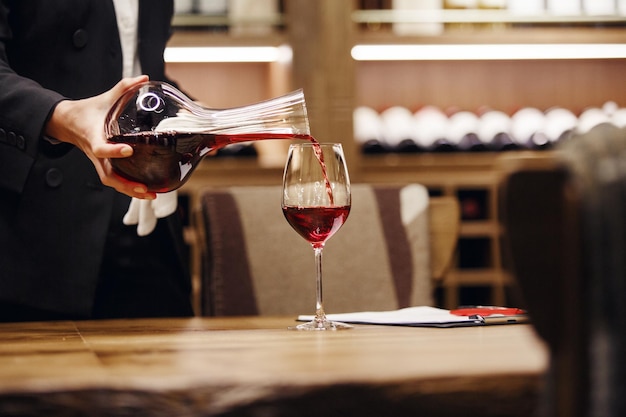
{"type": "Point", "coordinates": [54, 211]}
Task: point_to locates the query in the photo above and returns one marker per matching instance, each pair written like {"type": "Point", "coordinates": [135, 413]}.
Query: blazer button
{"type": "Point", "coordinates": [21, 143]}
{"type": "Point", "coordinates": [3, 135]}
{"type": "Point", "coordinates": [11, 138]}
{"type": "Point", "coordinates": [80, 38]}
{"type": "Point", "coordinates": [54, 177]}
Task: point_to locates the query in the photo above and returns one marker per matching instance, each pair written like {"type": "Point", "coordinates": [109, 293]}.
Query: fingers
{"type": "Point", "coordinates": [130, 188]}
{"type": "Point", "coordinates": [103, 150]}
{"type": "Point", "coordinates": [108, 150]}
{"type": "Point", "coordinates": [81, 123]}
{"type": "Point", "coordinates": [122, 185]}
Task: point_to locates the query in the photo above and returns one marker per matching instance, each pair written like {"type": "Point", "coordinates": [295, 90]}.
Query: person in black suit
{"type": "Point", "coordinates": [64, 251]}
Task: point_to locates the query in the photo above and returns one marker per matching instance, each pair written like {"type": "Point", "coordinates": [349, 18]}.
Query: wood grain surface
{"type": "Point", "coordinates": [256, 367]}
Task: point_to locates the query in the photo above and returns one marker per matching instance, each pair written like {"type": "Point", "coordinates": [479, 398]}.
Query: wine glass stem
{"type": "Point", "coordinates": [319, 309]}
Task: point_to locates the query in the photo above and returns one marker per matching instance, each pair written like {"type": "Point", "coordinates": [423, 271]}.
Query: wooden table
{"type": "Point", "coordinates": [255, 367]}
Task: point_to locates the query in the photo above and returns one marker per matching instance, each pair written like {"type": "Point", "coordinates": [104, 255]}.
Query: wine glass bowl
{"type": "Point", "coordinates": [316, 201]}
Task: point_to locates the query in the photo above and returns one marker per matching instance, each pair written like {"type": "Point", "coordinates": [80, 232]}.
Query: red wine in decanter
{"type": "Point", "coordinates": [164, 161]}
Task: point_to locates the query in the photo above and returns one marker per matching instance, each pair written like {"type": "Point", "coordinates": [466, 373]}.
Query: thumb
{"type": "Point", "coordinates": [124, 85]}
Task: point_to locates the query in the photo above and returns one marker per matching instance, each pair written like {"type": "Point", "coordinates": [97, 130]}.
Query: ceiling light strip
{"type": "Point", "coordinates": [227, 54]}
{"type": "Point", "coordinates": [448, 52]}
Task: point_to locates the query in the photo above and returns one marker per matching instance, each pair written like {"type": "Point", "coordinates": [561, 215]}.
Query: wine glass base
{"type": "Point", "coordinates": [322, 325]}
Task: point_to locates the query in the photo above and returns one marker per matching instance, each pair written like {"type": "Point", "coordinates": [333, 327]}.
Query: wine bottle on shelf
{"type": "Point", "coordinates": [526, 7]}
{"type": "Point", "coordinates": [430, 125]}
{"type": "Point", "coordinates": [368, 130]}
{"type": "Point", "coordinates": [559, 124]}
{"type": "Point", "coordinates": [524, 124]}
{"type": "Point", "coordinates": [408, 145]}
{"type": "Point", "coordinates": [539, 140]}
{"type": "Point", "coordinates": [495, 130]}
{"type": "Point", "coordinates": [397, 123]}
{"type": "Point", "coordinates": [503, 141]}
{"type": "Point", "coordinates": [591, 117]}
{"type": "Point", "coordinates": [432, 28]}
{"type": "Point", "coordinates": [471, 142]}
{"type": "Point", "coordinates": [443, 145]}
{"type": "Point", "coordinates": [462, 130]}
{"type": "Point", "coordinates": [598, 7]}
{"type": "Point", "coordinates": [443, 142]}
{"type": "Point", "coordinates": [564, 7]}
{"type": "Point", "coordinates": [618, 118]}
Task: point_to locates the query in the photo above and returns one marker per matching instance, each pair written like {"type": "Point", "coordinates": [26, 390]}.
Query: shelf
{"type": "Point", "coordinates": [508, 35]}
{"type": "Point", "coordinates": [195, 20]}
{"type": "Point", "coordinates": [477, 277]}
{"type": "Point", "coordinates": [432, 160]}
{"type": "Point", "coordinates": [196, 37]}
{"type": "Point", "coordinates": [195, 29]}
{"type": "Point", "coordinates": [476, 16]}
{"type": "Point", "coordinates": [389, 16]}
{"type": "Point", "coordinates": [199, 37]}
{"type": "Point", "coordinates": [438, 171]}
{"type": "Point", "coordinates": [485, 228]}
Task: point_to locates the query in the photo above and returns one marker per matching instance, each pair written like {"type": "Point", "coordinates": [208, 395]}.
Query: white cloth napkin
{"type": "Point", "coordinates": [145, 213]}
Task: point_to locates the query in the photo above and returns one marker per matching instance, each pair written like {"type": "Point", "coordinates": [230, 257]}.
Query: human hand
{"type": "Point", "coordinates": [81, 123]}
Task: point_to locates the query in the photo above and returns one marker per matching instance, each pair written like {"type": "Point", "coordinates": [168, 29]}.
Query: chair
{"type": "Point", "coordinates": [565, 227]}
{"type": "Point", "coordinates": [395, 242]}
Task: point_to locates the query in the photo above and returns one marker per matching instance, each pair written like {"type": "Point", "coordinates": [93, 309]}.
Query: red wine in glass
{"type": "Point", "coordinates": [316, 224]}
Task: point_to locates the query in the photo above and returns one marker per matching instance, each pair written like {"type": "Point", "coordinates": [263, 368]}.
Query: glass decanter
{"type": "Point", "coordinates": [171, 134]}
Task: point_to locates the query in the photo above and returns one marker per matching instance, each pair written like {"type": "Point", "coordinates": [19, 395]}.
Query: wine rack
{"type": "Point", "coordinates": [477, 275]}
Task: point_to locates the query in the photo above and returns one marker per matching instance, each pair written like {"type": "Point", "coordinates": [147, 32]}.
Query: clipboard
{"type": "Point", "coordinates": [424, 316]}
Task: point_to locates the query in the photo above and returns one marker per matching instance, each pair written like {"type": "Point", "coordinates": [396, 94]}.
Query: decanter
{"type": "Point", "coordinates": [170, 133]}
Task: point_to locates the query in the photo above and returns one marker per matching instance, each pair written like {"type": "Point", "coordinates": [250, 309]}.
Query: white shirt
{"type": "Point", "coordinates": [143, 213]}
{"type": "Point", "coordinates": [127, 15]}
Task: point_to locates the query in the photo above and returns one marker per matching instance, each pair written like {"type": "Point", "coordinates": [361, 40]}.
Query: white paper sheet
{"type": "Point", "coordinates": [411, 316]}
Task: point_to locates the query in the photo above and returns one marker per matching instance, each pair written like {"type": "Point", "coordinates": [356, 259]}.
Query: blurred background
{"type": "Point", "coordinates": [439, 92]}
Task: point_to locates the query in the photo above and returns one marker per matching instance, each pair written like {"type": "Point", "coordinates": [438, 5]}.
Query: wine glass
{"type": "Point", "coordinates": [316, 203]}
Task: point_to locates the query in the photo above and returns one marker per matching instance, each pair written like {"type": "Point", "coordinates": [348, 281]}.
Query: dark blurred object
{"type": "Point", "coordinates": [539, 140]}
{"type": "Point", "coordinates": [474, 253]}
{"type": "Point", "coordinates": [474, 204]}
{"type": "Point", "coordinates": [408, 146]}
{"type": "Point", "coordinates": [471, 142]}
{"type": "Point", "coordinates": [238, 149]}
{"type": "Point", "coordinates": [374, 146]}
{"type": "Point", "coordinates": [565, 226]}
{"type": "Point", "coordinates": [503, 142]}
{"type": "Point", "coordinates": [443, 145]}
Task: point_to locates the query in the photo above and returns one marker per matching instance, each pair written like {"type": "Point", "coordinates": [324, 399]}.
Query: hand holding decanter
{"type": "Point", "coordinates": [170, 134]}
